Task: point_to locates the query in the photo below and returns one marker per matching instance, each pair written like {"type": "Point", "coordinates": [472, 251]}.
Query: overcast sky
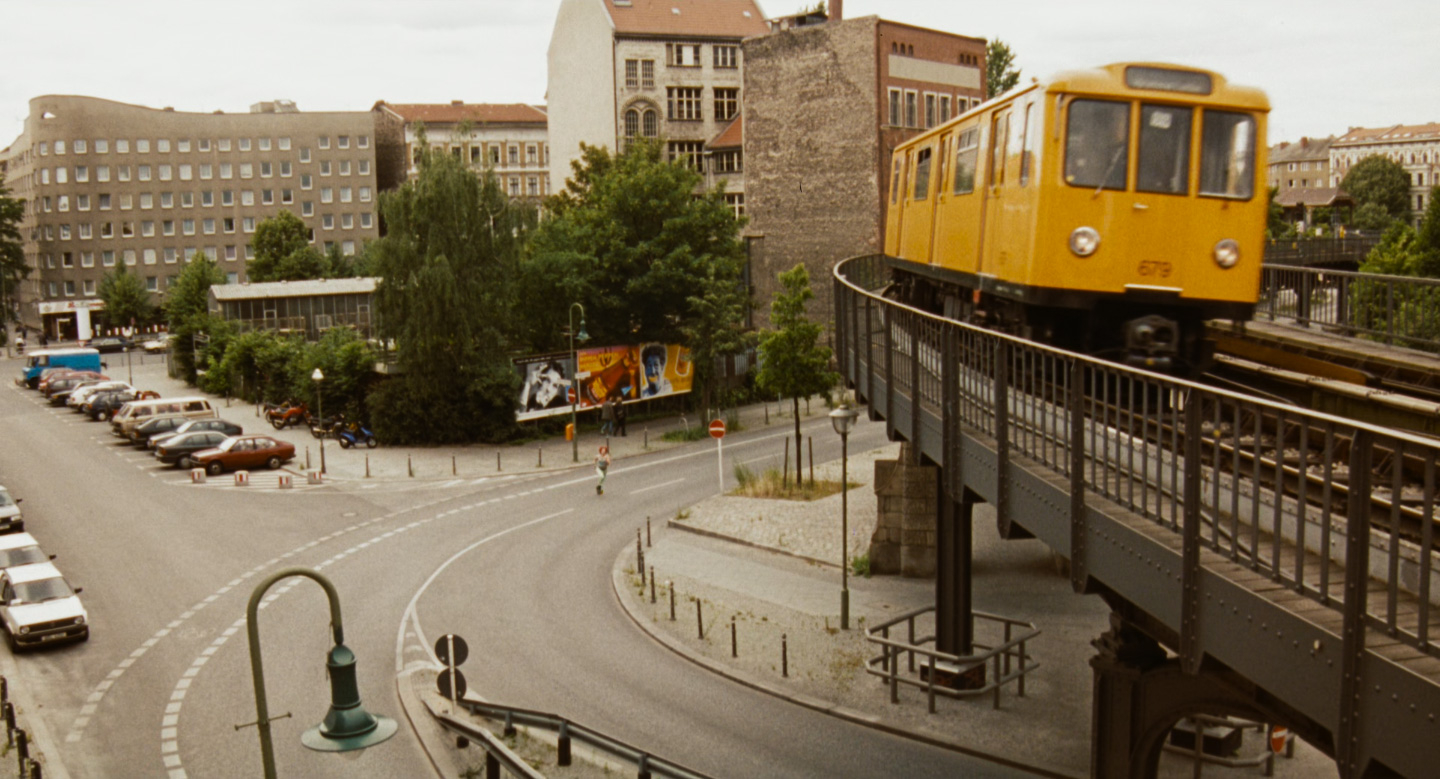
{"type": "Point", "coordinates": [1326, 65]}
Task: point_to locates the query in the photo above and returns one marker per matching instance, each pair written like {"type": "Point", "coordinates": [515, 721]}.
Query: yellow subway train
{"type": "Point", "coordinates": [1110, 211]}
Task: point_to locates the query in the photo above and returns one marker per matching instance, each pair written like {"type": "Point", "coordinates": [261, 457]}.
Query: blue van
{"type": "Point", "coordinates": [41, 360]}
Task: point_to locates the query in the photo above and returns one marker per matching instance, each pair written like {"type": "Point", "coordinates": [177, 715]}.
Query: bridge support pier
{"type": "Point", "coordinates": [904, 539]}
{"type": "Point", "coordinates": [954, 604]}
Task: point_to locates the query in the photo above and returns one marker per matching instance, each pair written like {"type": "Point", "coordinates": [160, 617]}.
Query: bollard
{"type": "Point", "coordinates": [4, 690]}
{"type": "Point", "coordinates": [307, 458]}
{"type": "Point", "coordinates": [197, 475]}
{"type": "Point", "coordinates": [563, 744]}
{"type": "Point", "coordinates": [784, 655]}
{"type": "Point", "coordinates": [35, 771]}
{"type": "Point", "coordinates": [492, 766]}
{"type": "Point", "coordinates": [734, 645]}
{"type": "Point", "coordinates": [285, 482]}
{"type": "Point", "coordinates": [767, 414]}
{"type": "Point", "coordinates": [539, 457]}
{"type": "Point", "coordinates": [785, 475]}
{"type": "Point", "coordinates": [22, 748]}
{"type": "Point", "coordinates": [313, 477]}
{"type": "Point", "coordinates": [367, 466]}
{"type": "Point", "coordinates": [647, 533]}
{"type": "Point", "coordinates": [699, 620]}
{"type": "Point", "coordinates": [9, 724]}
{"type": "Point", "coordinates": [639, 557]}
{"type": "Point", "coordinates": [670, 585]}
{"type": "Point", "coordinates": [811, 441]}
{"type": "Point", "coordinates": [497, 461]}
{"type": "Point", "coordinates": [652, 584]}
{"type": "Point", "coordinates": [930, 686]}
{"type": "Point", "coordinates": [509, 730]}
{"type": "Point", "coordinates": [452, 466]}
{"type": "Point", "coordinates": [647, 436]}
{"type": "Point", "coordinates": [642, 767]}
{"type": "Point", "coordinates": [409, 466]}
{"type": "Point", "coordinates": [242, 478]}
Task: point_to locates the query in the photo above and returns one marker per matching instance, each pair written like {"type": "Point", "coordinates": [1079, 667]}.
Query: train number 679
{"type": "Point", "coordinates": [1158, 268]}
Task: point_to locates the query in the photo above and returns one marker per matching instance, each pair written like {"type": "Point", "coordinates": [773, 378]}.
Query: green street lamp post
{"type": "Point", "coordinates": [843, 419]}
{"type": "Point", "coordinates": [318, 377]}
{"type": "Point", "coordinates": [347, 726]}
{"type": "Point", "coordinates": [575, 379]}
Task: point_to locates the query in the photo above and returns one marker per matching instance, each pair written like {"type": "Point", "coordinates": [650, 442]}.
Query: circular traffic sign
{"type": "Point", "coordinates": [443, 682]}
{"type": "Point", "coordinates": [1278, 737]}
{"type": "Point", "coordinates": [442, 649]}
{"type": "Point", "coordinates": [717, 429]}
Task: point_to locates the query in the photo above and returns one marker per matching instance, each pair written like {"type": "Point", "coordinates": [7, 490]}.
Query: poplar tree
{"type": "Point", "coordinates": [793, 364]}
{"type": "Point", "coordinates": [13, 269]}
{"type": "Point", "coordinates": [187, 311]}
{"type": "Point", "coordinates": [126, 299]}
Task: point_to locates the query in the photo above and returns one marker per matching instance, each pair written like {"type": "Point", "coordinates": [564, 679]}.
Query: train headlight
{"type": "Point", "coordinates": [1084, 241]}
{"type": "Point", "coordinates": [1227, 253]}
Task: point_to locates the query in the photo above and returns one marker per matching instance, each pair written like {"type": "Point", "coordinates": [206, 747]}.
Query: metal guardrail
{"type": "Point", "coordinates": [1398, 310]}
{"type": "Point", "coordinates": [1011, 649]}
{"type": "Point", "coordinates": [1331, 252]}
{"type": "Point", "coordinates": [1270, 490]}
{"type": "Point", "coordinates": [646, 764]}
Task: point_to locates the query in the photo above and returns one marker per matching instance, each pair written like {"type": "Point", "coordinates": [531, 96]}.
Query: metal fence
{"type": "Point", "coordinates": [1340, 513]}
{"type": "Point", "coordinates": [1331, 252]}
{"type": "Point", "coordinates": [1396, 310]}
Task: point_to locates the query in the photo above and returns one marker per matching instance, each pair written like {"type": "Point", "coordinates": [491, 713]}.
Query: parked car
{"type": "Point", "coordinates": [110, 344]}
{"type": "Point", "coordinates": [224, 427]}
{"type": "Point", "coordinates": [37, 606]}
{"type": "Point", "coordinates": [78, 397]}
{"type": "Point", "coordinates": [154, 427]}
{"type": "Point", "coordinates": [103, 404]}
{"type": "Point", "coordinates": [239, 453]}
{"type": "Point", "coordinates": [58, 391]}
{"type": "Point", "coordinates": [18, 549]}
{"type": "Point", "coordinates": [157, 344]}
{"type": "Point", "coordinates": [54, 375]}
{"type": "Point", "coordinates": [10, 519]}
{"type": "Point", "coordinates": [176, 449]}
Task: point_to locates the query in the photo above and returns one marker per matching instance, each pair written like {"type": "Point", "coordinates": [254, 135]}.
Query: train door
{"type": "Point", "coordinates": [919, 205]}
{"type": "Point", "coordinates": [993, 253]}
{"type": "Point", "coordinates": [957, 220]}
{"type": "Point", "coordinates": [937, 201]}
{"type": "Point", "coordinates": [895, 209]}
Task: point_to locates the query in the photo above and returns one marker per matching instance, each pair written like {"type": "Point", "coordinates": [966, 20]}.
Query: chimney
{"type": "Point", "coordinates": [837, 10]}
{"type": "Point", "coordinates": [457, 102]}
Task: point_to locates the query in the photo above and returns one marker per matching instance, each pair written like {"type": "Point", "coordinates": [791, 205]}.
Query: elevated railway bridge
{"type": "Point", "coordinates": [1260, 560]}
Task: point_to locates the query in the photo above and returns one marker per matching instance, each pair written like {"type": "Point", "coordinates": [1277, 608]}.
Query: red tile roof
{"type": "Point", "coordinates": [708, 18]}
{"type": "Point", "coordinates": [1399, 132]}
{"type": "Point", "coordinates": [515, 113]}
{"type": "Point", "coordinates": [1319, 196]}
{"type": "Point", "coordinates": [732, 137]}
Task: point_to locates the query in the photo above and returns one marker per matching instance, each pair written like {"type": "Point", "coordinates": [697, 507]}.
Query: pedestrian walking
{"type": "Point", "coordinates": [602, 468]}
{"type": "Point", "coordinates": [620, 414]}
{"type": "Point", "coordinates": [607, 416]}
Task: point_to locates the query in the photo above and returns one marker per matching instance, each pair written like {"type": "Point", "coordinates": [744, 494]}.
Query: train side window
{"type": "Point", "coordinates": [1227, 155]}
{"type": "Point", "coordinates": [1000, 140]}
{"type": "Point", "coordinates": [1164, 164]}
{"type": "Point", "coordinates": [895, 183]}
{"type": "Point", "coordinates": [967, 154]}
{"type": "Point", "coordinates": [1097, 138]}
{"type": "Point", "coordinates": [922, 174]}
{"type": "Point", "coordinates": [1027, 145]}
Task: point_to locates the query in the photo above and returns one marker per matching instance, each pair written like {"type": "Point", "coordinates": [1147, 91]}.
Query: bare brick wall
{"type": "Point", "coordinates": [812, 155]}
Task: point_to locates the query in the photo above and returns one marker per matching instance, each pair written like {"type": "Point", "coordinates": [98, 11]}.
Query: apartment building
{"type": "Point", "coordinates": [628, 69]}
{"type": "Point", "coordinates": [1416, 147]}
{"type": "Point", "coordinates": [511, 140]}
{"type": "Point", "coordinates": [827, 100]}
{"type": "Point", "coordinates": [107, 183]}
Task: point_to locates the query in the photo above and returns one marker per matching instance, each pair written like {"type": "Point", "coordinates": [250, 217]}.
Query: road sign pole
{"type": "Point", "coordinates": [720, 462]}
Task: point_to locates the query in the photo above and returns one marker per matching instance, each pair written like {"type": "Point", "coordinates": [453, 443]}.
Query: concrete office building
{"type": "Point", "coordinates": [826, 103]}
{"type": "Point", "coordinates": [109, 183]}
{"type": "Point", "coordinates": [622, 69]}
{"type": "Point", "coordinates": [512, 140]}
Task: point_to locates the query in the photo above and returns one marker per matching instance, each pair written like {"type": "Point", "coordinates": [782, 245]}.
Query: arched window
{"type": "Point", "coordinates": [652, 124]}
{"type": "Point", "coordinates": [632, 123]}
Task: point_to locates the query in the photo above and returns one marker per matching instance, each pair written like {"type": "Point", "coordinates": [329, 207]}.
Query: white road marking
{"type": "Point", "coordinates": [656, 486]}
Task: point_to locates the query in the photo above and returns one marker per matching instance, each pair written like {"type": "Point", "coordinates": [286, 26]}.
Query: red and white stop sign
{"type": "Point", "coordinates": [1278, 737]}
{"type": "Point", "coordinates": [717, 429]}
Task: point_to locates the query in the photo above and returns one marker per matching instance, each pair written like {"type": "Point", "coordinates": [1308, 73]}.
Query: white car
{"type": "Point", "coordinates": [10, 519]}
{"type": "Point", "coordinates": [78, 397]}
{"type": "Point", "coordinates": [158, 344]}
{"type": "Point", "coordinates": [38, 607]}
{"type": "Point", "coordinates": [18, 549]}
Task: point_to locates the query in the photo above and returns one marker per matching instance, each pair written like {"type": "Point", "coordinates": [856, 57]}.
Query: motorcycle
{"type": "Point", "coordinates": [354, 434]}
{"type": "Point", "coordinates": [286, 414]}
{"type": "Point", "coordinates": [321, 427]}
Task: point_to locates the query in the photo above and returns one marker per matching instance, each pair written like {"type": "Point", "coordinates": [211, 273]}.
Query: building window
{"type": "Point", "coordinates": [207, 198]}
{"type": "Point", "coordinates": [151, 257]}
{"type": "Point", "coordinates": [727, 57]}
{"type": "Point", "coordinates": [171, 255]}
{"type": "Point", "coordinates": [514, 186]}
{"type": "Point", "coordinates": [305, 154]}
{"type": "Point", "coordinates": [87, 259]}
{"type": "Point", "coordinates": [207, 171]}
{"type": "Point", "coordinates": [632, 123]}
{"type": "Point", "coordinates": [307, 208]}
{"type": "Point", "coordinates": [647, 74]}
{"type": "Point", "coordinates": [364, 166]}
{"type": "Point", "coordinates": [142, 146]}
{"type": "Point", "coordinates": [152, 283]}
{"type": "Point", "coordinates": [514, 156]}
{"type": "Point", "coordinates": [364, 194]}
{"type": "Point", "coordinates": [650, 123]}
{"type": "Point", "coordinates": [930, 108]}
{"type": "Point", "coordinates": [687, 153]}
{"type": "Point", "coordinates": [89, 287]}
{"type": "Point", "coordinates": [324, 142]}
{"type": "Point", "coordinates": [366, 220]}
{"type": "Point", "coordinates": [632, 74]}
{"type": "Point", "coordinates": [102, 146]}
{"type": "Point", "coordinates": [912, 118]}
{"type": "Point", "coordinates": [726, 162]}
{"type": "Point", "coordinates": [347, 221]}
{"type": "Point", "coordinates": [328, 221]}
{"type": "Point", "coordinates": [532, 186]}
{"type": "Point", "coordinates": [895, 115]}
{"type": "Point", "coordinates": [102, 172]}
{"type": "Point", "coordinates": [727, 103]}
{"type": "Point", "coordinates": [682, 55]}
{"type": "Point", "coordinates": [684, 104]}
{"type": "Point", "coordinates": [69, 289]}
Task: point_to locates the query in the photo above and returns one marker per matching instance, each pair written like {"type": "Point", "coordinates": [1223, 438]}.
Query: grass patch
{"type": "Point", "coordinates": [693, 433]}
{"type": "Point", "coordinates": [771, 484]}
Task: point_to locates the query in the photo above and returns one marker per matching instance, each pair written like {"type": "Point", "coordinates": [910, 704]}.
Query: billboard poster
{"type": "Point", "coordinates": [630, 373]}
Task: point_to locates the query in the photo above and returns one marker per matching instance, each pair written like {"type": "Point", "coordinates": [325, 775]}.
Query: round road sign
{"type": "Point", "coordinates": [1278, 737]}
{"type": "Point", "coordinates": [443, 681]}
{"type": "Point", "coordinates": [717, 429]}
{"type": "Point", "coordinates": [442, 649]}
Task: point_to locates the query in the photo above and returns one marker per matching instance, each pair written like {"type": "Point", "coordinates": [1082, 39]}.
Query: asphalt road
{"type": "Point", "coordinates": [518, 565]}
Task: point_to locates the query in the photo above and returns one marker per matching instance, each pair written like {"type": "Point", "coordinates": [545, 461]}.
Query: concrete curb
{"type": "Point", "coordinates": [618, 587]}
{"type": "Point", "coordinates": [670, 523]}
{"type": "Point", "coordinates": [410, 706]}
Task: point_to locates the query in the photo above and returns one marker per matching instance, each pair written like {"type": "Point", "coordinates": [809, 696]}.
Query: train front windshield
{"type": "Point", "coordinates": [1097, 144]}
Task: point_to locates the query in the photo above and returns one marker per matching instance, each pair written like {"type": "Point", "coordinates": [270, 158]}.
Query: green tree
{"type": "Point", "coordinates": [126, 300]}
{"type": "Point", "coordinates": [1372, 216]}
{"type": "Point", "coordinates": [1380, 180]}
{"type": "Point", "coordinates": [715, 327]}
{"type": "Point", "coordinates": [448, 264]}
{"type": "Point", "coordinates": [1001, 75]}
{"type": "Point", "coordinates": [1398, 253]}
{"type": "Point", "coordinates": [627, 237]}
{"type": "Point", "coordinates": [1428, 237]}
{"type": "Point", "coordinates": [793, 364]}
{"type": "Point", "coordinates": [13, 269]}
{"type": "Point", "coordinates": [187, 311]}
{"type": "Point", "coordinates": [283, 251]}
{"type": "Point", "coordinates": [1276, 226]}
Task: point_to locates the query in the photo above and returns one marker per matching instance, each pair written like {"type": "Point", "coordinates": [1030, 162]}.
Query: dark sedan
{"type": "Point", "coordinates": [243, 453]}
{"type": "Point", "coordinates": [110, 343]}
{"type": "Point", "coordinates": [176, 449]}
{"type": "Point", "coordinates": [227, 429]}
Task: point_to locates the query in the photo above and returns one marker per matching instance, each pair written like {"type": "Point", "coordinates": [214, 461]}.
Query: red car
{"type": "Point", "coordinates": [243, 453]}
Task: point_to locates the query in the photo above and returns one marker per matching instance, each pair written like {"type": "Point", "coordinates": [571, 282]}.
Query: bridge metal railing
{"type": "Point", "coordinates": [1340, 513]}
{"type": "Point", "coordinates": [1397, 310]}
{"type": "Point", "coordinates": [1331, 252]}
